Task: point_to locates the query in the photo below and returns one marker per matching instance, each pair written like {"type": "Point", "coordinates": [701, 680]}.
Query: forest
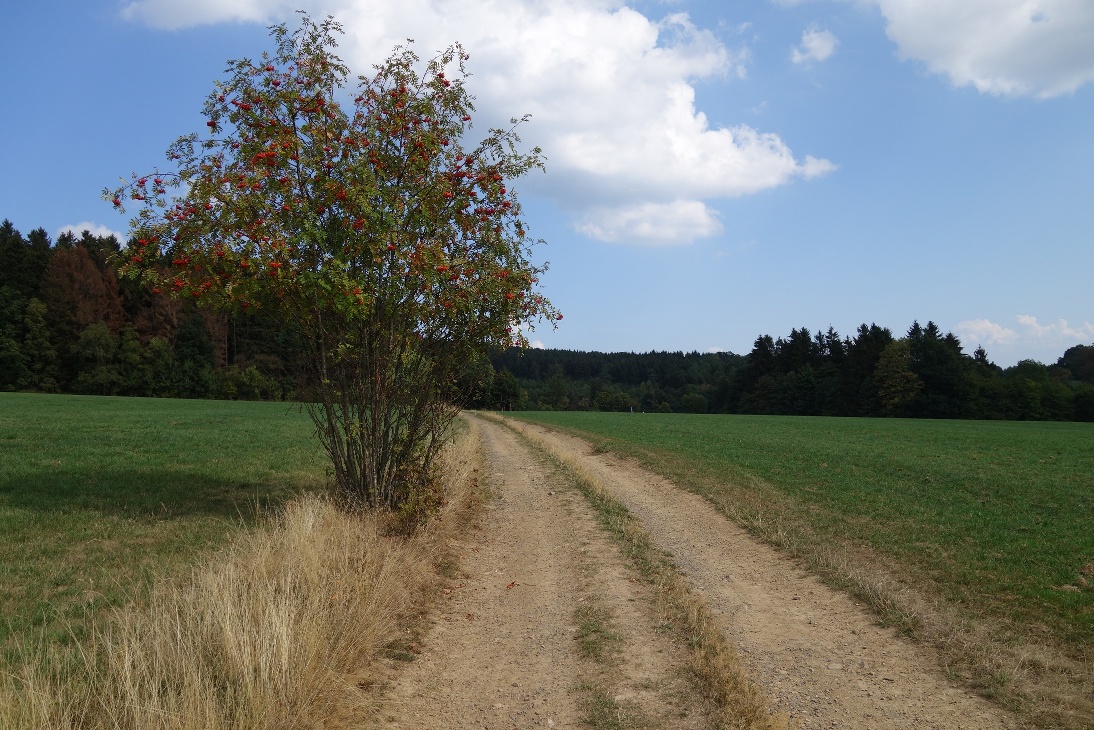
{"type": "Point", "coordinates": [922, 374]}
{"type": "Point", "coordinates": [68, 324]}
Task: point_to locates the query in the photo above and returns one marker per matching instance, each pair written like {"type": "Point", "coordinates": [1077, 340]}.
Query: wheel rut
{"type": "Point", "coordinates": [502, 648]}
{"type": "Point", "coordinates": [820, 656]}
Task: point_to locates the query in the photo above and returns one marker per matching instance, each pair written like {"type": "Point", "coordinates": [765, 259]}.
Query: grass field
{"type": "Point", "coordinates": [97, 494]}
{"type": "Point", "coordinates": [993, 517]}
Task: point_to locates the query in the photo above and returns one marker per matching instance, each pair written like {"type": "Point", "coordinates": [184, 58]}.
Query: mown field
{"type": "Point", "coordinates": [996, 518]}
{"type": "Point", "coordinates": [98, 494]}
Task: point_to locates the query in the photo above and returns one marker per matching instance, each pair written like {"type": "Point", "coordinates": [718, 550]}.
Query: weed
{"type": "Point", "coordinates": [594, 633]}
{"type": "Point", "coordinates": [604, 712]}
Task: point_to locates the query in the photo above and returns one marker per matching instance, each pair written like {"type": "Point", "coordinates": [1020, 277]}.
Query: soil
{"type": "Point", "coordinates": [501, 651]}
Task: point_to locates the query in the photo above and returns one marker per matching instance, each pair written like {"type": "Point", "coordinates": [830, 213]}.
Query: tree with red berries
{"type": "Point", "coordinates": [361, 218]}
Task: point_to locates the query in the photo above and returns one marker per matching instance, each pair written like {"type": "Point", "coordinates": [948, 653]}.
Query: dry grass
{"type": "Point", "coordinates": [282, 629]}
{"type": "Point", "coordinates": [1015, 669]}
{"type": "Point", "coordinates": [713, 660]}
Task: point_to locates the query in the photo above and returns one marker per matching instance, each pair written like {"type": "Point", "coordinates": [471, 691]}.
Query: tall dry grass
{"type": "Point", "coordinates": [282, 629]}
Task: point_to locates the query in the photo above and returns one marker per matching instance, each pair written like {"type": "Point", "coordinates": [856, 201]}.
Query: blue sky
{"type": "Point", "coordinates": [715, 170]}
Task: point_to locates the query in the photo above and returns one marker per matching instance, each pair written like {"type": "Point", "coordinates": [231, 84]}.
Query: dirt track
{"type": "Point", "coordinates": [503, 657]}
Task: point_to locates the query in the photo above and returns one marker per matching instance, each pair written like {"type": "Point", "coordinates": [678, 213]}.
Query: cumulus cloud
{"type": "Point", "coordinates": [1050, 339]}
{"type": "Point", "coordinates": [1037, 48]}
{"type": "Point", "coordinates": [986, 332]}
{"type": "Point", "coordinates": [817, 45]}
{"type": "Point", "coordinates": [95, 229]}
{"type": "Point", "coordinates": [610, 90]}
{"type": "Point", "coordinates": [680, 221]}
{"type": "Point", "coordinates": [1029, 339]}
{"type": "Point", "coordinates": [173, 15]}
{"type": "Point", "coordinates": [1059, 330]}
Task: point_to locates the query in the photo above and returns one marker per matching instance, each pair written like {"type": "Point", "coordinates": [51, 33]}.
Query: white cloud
{"type": "Point", "coordinates": [172, 15]}
{"type": "Point", "coordinates": [817, 45]}
{"type": "Point", "coordinates": [94, 229]}
{"type": "Point", "coordinates": [814, 167]}
{"type": "Point", "coordinates": [1040, 48]}
{"type": "Point", "coordinates": [611, 93]}
{"type": "Point", "coordinates": [986, 332]}
{"type": "Point", "coordinates": [680, 221]}
{"type": "Point", "coordinates": [1059, 330]}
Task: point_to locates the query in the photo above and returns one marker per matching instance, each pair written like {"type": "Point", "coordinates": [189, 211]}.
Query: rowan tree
{"type": "Point", "coordinates": [399, 254]}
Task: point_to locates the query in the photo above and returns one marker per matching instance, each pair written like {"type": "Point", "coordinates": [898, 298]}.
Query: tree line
{"type": "Point", "coordinates": [923, 374]}
{"type": "Point", "coordinates": [68, 324]}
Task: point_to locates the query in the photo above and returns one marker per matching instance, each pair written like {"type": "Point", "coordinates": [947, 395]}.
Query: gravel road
{"type": "Point", "coordinates": [501, 652]}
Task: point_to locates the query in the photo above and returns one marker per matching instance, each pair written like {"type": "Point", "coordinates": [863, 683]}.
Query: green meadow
{"type": "Point", "coordinates": [98, 495]}
{"type": "Point", "coordinates": [996, 518]}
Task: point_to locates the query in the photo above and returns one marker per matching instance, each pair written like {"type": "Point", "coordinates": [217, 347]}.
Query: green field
{"type": "Point", "coordinates": [98, 494]}
{"type": "Point", "coordinates": [994, 517]}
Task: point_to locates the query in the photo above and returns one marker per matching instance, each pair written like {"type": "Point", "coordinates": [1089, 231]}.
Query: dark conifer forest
{"type": "Point", "coordinates": [69, 325]}
{"type": "Point", "coordinates": [922, 373]}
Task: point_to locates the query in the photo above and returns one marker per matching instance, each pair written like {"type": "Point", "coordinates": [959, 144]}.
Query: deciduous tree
{"type": "Point", "coordinates": [897, 385]}
{"type": "Point", "coordinates": [398, 253]}
{"type": "Point", "coordinates": [41, 357]}
{"type": "Point", "coordinates": [78, 294]}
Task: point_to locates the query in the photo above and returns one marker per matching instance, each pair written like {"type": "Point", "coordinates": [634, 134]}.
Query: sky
{"type": "Point", "coordinates": [715, 170]}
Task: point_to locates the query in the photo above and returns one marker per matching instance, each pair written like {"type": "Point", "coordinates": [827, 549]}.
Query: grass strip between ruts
{"type": "Point", "coordinates": [713, 660]}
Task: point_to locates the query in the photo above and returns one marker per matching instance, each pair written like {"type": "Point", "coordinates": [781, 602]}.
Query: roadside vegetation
{"type": "Point", "coordinates": [99, 494]}
{"type": "Point", "coordinates": [183, 564]}
{"type": "Point", "coordinates": [970, 536]}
